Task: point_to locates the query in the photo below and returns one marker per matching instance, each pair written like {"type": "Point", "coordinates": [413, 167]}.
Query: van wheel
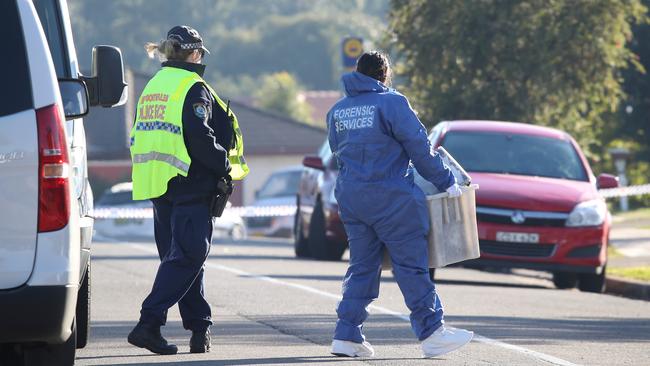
{"type": "Point", "coordinates": [592, 282]}
{"type": "Point", "coordinates": [565, 280]}
{"type": "Point", "coordinates": [319, 246]}
{"type": "Point", "coordinates": [83, 311]}
{"type": "Point", "coordinates": [53, 354]}
{"type": "Point", "coordinates": [300, 245]}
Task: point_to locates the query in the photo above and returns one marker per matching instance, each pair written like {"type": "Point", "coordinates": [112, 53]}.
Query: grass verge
{"type": "Point", "coordinates": [640, 213]}
{"type": "Point", "coordinates": [613, 252]}
{"type": "Point", "coordinates": [636, 273]}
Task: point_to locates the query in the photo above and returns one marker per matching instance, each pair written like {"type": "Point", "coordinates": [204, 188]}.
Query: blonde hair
{"type": "Point", "coordinates": [167, 49]}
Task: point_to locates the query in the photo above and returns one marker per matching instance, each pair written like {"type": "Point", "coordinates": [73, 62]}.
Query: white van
{"type": "Point", "coordinates": [45, 199]}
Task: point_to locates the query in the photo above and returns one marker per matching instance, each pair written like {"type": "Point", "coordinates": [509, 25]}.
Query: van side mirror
{"type": "Point", "coordinates": [74, 96]}
{"type": "Point", "coordinates": [106, 85]}
{"type": "Point", "coordinates": [605, 181]}
{"type": "Point", "coordinates": [314, 162]}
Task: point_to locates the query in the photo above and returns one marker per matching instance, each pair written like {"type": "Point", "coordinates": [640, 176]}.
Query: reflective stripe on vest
{"type": "Point", "coordinates": [150, 126]}
{"type": "Point", "coordinates": [165, 158]}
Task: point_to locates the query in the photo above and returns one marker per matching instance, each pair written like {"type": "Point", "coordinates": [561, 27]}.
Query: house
{"type": "Point", "coordinates": [320, 102]}
{"type": "Point", "coordinates": [271, 142]}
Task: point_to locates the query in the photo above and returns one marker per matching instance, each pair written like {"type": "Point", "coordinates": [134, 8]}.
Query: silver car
{"type": "Point", "coordinates": [272, 213]}
{"type": "Point", "coordinates": [119, 217]}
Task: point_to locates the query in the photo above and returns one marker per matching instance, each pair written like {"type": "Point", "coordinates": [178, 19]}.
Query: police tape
{"type": "Point", "coordinates": [625, 191]}
{"type": "Point", "coordinates": [264, 211]}
{"type": "Point", "coordinates": [290, 210]}
{"type": "Point", "coordinates": [122, 213]}
{"type": "Point", "coordinates": [147, 212]}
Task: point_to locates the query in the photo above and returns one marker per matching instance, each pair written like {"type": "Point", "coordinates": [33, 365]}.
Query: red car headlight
{"type": "Point", "coordinates": [588, 213]}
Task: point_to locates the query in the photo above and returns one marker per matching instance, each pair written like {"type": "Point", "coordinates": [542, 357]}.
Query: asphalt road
{"type": "Point", "coordinates": [272, 309]}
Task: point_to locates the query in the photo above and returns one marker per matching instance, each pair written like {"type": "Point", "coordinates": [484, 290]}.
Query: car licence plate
{"type": "Point", "coordinates": [517, 237]}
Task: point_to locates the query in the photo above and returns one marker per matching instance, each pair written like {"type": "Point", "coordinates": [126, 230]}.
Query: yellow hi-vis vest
{"type": "Point", "coordinates": [158, 151]}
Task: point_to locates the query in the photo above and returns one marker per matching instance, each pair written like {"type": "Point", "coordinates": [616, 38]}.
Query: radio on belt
{"type": "Point", "coordinates": [220, 200]}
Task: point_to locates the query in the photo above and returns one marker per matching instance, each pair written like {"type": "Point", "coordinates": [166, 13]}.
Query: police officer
{"type": "Point", "coordinates": [375, 135]}
{"type": "Point", "coordinates": [183, 141]}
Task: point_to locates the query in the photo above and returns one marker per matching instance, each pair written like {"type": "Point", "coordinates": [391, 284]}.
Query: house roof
{"type": "Point", "coordinates": [320, 101]}
{"type": "Point", "coordinates": [269, 133]}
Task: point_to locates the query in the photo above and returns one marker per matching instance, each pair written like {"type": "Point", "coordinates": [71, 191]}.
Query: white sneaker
{"type": "Point", "coordinates": [352, 349]}
{"type": "Point", "coordinates": [445, 340]}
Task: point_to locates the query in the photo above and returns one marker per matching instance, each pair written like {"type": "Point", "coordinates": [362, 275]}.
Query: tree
{"type": "Point", "coordinates": [633, 132]}
{"type": "Point", "coordinates": [556, 63]}
{"type": "Point", "coordinates": [635, 110]}
{"type": "Point", "coordinates": [246, 38]}
{"type": "Point", "coordinates": [279, 93]}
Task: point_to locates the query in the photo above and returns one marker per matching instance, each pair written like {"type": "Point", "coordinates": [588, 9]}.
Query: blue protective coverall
{"type": "Point", "coordinates": [375, 135]}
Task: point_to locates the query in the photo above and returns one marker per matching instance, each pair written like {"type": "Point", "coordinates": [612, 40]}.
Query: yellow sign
{"type": "Point", "coordinates": [353, 47]}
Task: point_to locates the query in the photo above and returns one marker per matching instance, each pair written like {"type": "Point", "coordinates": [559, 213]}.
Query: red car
{"type": "Point", "coordinates": [538, 205]}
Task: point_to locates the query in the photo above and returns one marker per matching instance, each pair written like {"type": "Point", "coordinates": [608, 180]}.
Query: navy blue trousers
{"type": "Point", "coordinates": [183, 231]}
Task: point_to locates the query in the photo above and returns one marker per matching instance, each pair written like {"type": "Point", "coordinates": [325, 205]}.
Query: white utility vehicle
{"type": "Point", "coordinates": [45, 199]}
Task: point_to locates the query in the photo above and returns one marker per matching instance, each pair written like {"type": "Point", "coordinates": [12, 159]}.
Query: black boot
{"type": "Point", "coordinates": [149, 337]}
{"type": "Point", "coordinates": [200, 341]}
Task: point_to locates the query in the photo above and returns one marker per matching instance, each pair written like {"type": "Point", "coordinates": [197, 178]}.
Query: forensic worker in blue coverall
{"type": "Point", "coordinates": [375, 136]}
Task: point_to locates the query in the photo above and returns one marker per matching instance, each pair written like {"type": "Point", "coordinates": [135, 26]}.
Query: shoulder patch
{"type": "Point", "coordinates": [200, 110]}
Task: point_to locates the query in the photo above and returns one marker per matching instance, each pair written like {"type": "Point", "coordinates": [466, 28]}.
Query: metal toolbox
{"type": "Point", "coordinates": [453, 236]}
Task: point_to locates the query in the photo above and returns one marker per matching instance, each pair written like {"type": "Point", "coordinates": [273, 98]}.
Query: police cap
{"type": "Point", "coordinates": [188, 37]}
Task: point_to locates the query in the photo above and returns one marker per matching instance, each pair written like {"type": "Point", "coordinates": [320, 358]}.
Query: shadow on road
{"type": "Point", "coordinates": [125, 257]}
{"type": "Point", "coordinates": [247, 361]}
{"type": "Point", "coordinates": [543, 331]}
{"type": "Point", "coordinates": [318, 328]}
{"type": "Point", "coordinates": [215, 256]}
{"type": "Point", "coordinates": [121, 355]}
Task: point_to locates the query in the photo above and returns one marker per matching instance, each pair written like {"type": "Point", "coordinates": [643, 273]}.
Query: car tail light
{"type": "Point", "coordinates": [53, 170]}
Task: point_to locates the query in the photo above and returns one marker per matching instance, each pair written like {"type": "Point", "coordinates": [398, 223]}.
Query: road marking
{"type": "Point", "coordinates": [379, 309]}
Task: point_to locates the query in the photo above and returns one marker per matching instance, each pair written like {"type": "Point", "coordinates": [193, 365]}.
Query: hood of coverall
{"type": "Point", "coordinates": [369, 129]}
{"type": "Point", "coordinates": [356, 83]}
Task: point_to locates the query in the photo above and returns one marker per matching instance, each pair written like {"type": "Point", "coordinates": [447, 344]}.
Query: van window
{"type": "Point", "coordinates": [14, 70]}
{"type": "Point", "coordinates": [48, 13]}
